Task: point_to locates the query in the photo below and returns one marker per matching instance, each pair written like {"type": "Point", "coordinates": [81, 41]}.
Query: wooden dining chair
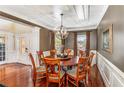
{"type": "Point", "coordinates": [77, 74]}
{"type": "Point", "coordinates": [52, 52]}
{"type": "Point", "coordinates": [91, 55]}
{"type": "Point", "coordinates": [38, 72]}
{"type": "Point", "coordinates": [88, 66]}
{"type": "Point", "coordinates": [82, 53]}
{"type": "Point", "coordinates": [40, 57]}
{"type": "Point", "coordinates": [68, 51]}
{"type": "Point", "coordinates": [54, 75]}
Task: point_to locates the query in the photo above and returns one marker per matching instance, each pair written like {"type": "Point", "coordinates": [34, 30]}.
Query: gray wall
{"type": "Point", "coordinates": [69, 42]}
{"type": "Point", "coordinates": [93, 40]}
{"type": "Point", "coordinates": [45, 39]}
{"type": "Point", "coordinates": [115, 16]}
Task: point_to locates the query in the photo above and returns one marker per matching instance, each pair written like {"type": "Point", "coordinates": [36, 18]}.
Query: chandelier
{"type": "Point", "coordinates": [62, 32]}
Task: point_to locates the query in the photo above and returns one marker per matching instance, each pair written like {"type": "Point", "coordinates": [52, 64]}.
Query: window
{"type": "Point", "coordinates": [57, 43]}
{"type": "Point", "coordinates": [81, 41]}
{"type": "Point", "coordinates": [2, 48]}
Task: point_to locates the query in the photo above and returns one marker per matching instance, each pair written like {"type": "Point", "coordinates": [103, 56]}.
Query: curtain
{"type": "Point", "coordinates": [52, 40]}
{"type": "Point", "coordinates": [75, 43]}
{"type": "Point", "coordinates": [87, 43]}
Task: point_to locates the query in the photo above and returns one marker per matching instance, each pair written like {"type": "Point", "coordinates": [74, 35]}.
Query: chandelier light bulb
{"type": "Point", "coordinates": [62, 33]}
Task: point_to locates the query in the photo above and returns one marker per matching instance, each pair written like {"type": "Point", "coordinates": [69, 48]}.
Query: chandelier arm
{"type": "Point", "coordinates": [62, 32]}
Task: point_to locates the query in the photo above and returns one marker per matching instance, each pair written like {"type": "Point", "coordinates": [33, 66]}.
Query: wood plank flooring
{"type": "Point", "coordinates": [19, 75]}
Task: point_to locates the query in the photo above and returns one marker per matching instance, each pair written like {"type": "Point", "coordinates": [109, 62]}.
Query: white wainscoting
{"type": "Point", "coordinates": [112, 76]}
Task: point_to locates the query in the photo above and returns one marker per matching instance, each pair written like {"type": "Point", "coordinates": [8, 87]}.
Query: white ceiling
{"type": "Point", "coordinates": [48, 15]}
{"type": "Point", "coordinates": [13, 27]}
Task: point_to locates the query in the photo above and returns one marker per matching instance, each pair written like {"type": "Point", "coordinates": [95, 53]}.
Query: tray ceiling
{"type": "Point", "coordinates": [75, 17]}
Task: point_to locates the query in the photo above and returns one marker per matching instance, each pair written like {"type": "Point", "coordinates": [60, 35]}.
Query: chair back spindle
{"type": "Point", "coordinates": [68, 51]}
{"type": "Point", "coordinates": [81, 67]}
{"type": "Point", "coordinates": [40, 57]}
{"type": "Point", "coordinates": [52, 52]}
{"type": "Point", "coordinates": [52, 67]}
{"type": "Point", "coordinates": [82, 53]}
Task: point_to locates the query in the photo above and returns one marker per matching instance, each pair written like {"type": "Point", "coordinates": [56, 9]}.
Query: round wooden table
{"type": "Point", "coordinates": [68, 61]}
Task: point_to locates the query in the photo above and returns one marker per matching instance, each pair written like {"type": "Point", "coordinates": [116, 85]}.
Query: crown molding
{"type": "Point", "coordinates": [46, 26]}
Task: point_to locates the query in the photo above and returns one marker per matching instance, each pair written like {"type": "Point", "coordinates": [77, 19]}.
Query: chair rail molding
{"type": "Point", "coordinates": [112, 76]}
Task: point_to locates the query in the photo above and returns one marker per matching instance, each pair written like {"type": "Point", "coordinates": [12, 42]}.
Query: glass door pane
{"type": "Point", "coordinates": [81, 41]}
{"type": "Point", "coordinates": [2, 48]}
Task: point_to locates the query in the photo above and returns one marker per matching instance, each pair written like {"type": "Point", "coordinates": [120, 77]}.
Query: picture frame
{"type": "Point", "coordinates": [108, 39]}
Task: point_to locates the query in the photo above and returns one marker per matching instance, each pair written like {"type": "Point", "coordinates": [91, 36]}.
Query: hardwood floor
{"type": "Point", "coordinates": [15, 75]}
{"type": "Point", "coordinates": [19, 75]}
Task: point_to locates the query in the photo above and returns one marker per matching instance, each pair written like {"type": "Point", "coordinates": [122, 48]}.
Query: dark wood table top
{"type": "Point", "coordinates": [69, 61]}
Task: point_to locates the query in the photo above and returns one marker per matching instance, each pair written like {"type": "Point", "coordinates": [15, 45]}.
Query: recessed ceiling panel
{"type": "Point", "coordinates": [75, 17]}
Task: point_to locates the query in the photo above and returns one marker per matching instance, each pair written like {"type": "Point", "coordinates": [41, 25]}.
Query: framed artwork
{"type": "Point", "coordinates": [108, 39]}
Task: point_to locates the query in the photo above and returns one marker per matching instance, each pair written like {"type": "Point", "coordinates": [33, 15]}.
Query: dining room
{"type": "Point", "coordinates": [58, 46]}
{"type": "Point", "coordinates": [33, 48]}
